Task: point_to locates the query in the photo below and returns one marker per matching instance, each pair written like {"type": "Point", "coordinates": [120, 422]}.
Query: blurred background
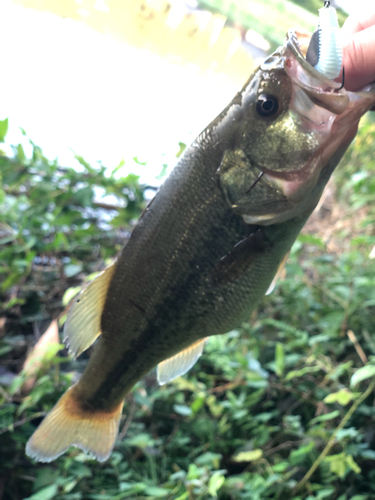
{"type": "Point", "coordinates": [113, 79]}
{"type": "Point", "coordinates": [98, 99]}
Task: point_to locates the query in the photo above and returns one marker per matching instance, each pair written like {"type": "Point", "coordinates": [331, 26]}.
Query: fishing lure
{"type": "Point", "coordinates": [330, 43]}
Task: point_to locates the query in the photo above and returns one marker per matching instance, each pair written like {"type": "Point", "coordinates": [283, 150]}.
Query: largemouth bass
{"type": "Point", "coordinates": [207, 247]}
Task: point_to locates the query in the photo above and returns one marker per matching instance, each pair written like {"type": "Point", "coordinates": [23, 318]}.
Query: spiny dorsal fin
{"type": "Point", "coordinates": [278, 274]}
{"type": "Point", "coordinates": [82, 325]}
{"type": "Point", "coordinates": [180, 363]}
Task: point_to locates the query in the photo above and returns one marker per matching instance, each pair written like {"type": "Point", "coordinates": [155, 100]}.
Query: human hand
{"type": "Point", "coordinates": [359, 50]}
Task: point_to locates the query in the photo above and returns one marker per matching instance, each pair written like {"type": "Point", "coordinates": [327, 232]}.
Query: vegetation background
{"type": "Point", "coordinates": [252, 419]}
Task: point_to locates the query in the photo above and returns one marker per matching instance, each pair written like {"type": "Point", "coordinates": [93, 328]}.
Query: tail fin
{"type": "Point", "coordinates": [68, 424]}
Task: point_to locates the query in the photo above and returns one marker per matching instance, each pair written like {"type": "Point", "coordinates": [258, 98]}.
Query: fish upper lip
{"type": "Point", "coordinates": [322, 91]}
{"type": "Point", "coordinates": [293, 45]}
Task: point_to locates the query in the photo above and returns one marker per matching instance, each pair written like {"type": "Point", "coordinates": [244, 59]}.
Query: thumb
{"type": "Point", "coordinates": [359, 59]}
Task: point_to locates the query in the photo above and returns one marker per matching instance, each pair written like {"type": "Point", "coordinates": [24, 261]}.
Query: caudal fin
{"type": "Point", "coordinates": [67, 424]}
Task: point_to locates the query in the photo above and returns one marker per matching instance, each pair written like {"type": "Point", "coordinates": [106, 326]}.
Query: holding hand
{"type": "Point", "coordinates": [359, 50]}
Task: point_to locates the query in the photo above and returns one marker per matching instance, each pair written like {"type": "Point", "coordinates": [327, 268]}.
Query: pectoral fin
{"type": "Point", "coordinates": [180, 363]}
{"type": "Point", "coordinates": [83, 324]}
{"type": "Point", "coordinates": [278, 274]}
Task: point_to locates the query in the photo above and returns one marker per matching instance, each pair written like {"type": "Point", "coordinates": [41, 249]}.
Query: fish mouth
{"type": "Point", "coordinates": [325, 112]}
{"type": "Point", "coordinates": [322, 91]}
{"type": "Point", "coordinates": [298, 42]}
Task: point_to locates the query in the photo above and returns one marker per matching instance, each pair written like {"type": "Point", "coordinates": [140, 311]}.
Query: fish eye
{"type": "Point", "coordinates": [267, 105]}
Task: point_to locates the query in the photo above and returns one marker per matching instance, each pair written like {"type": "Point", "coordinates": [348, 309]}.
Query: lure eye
{"type": "Point", "coordinates": [267, 105]}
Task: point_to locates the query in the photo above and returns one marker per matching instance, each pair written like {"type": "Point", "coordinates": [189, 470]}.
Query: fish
{"type": "Point", "coordinates": [207, 247]}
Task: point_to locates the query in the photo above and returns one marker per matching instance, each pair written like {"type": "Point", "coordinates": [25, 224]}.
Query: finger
{"type": "Point", "coordinates": [359, 59]}
{"type": "Point", "coordinates": [356, 23]}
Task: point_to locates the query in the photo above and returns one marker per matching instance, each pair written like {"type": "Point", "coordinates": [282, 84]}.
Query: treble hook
{"type": "Point", "coordinates": [343, 78]}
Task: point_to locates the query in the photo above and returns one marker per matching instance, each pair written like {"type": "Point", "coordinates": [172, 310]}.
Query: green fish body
{"type": "Point", "coordinates": [206, 249]}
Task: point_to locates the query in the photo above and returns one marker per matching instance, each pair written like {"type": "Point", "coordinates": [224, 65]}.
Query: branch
{"type": "Point", "coordinates": [106, 206]}
{"type": "Point", "coordinates": [331, 441]}
{"type": "Point", "coordinates": [23, 421]}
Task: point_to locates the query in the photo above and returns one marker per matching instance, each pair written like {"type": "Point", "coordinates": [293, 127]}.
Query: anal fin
{"type": "Point", "coordinates": [83, 324]}
{"type": "Point", "coordinates": [179, 364]}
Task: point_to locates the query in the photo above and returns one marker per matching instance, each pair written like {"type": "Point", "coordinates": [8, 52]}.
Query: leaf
{"type": "Point", "coordinates": [352, 464]}
{"type": "Point", "coordinates": [155, 491]}
{"type": "Point", "coordinates": [46, 493]}
{"type": "Point", "coordinates": [197, 404]}
{"type": "Point", "coordinates": [210, 459]}
{"type": "Point", "coordinates": [46, 348]}
{"type": "Point", "coordinates": [4, 125]}
{"type": "Point", "coordinates": [163, 172]}
{"type": "Point", "coordinates": [325, 493]}
{"type": "Point", "coordinates": [343, 397]}
{"type": "Point", "coordinates": [215, 483]}
{"type": "Point", "coordinates": [248, 456]}
{"type": "Point", "coordinates": [363, 373]}
{"type": "Point", "coordinates": [280, 467]}
{"type": "Point", "coordinates": [84, 196]}
{"type": "Point", "coordinates": [20, 153]}
{"type": "Point", "coordinates": [368, 454]}
{"type": "Point", "coordinates": [186, 411]}
{"type": "Point", "coordinates": [181, 150]}
{"type": "Point", "coordinates": [303, 371]}
{"type": "Point", "coordinates": [340, 462]}
{"type": "Point", "coordinates": [350, 433]}
{"type": "Point", "coordinates": [279, 359]}
{"type": "Point", "coordinates": [141, 440]}
{"type": "Point", "coordinates": [138, 162]}
{"type": "Point", "coordinates": [72, 269]}
{"type": "Point", "coordinates": [297, 455]}
{"type": "Point", "coordinates": [325, 417]}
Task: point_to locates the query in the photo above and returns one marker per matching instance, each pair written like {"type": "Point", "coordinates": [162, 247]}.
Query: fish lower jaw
{"type": "Point", "coordinates": [291, 189]}
{"type": "Point", "coordinates": [297, 192]}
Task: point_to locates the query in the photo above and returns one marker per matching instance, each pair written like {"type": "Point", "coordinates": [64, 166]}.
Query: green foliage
{"type": "Point", "coordinates": [58, 224]}
{"type": "Point", "coordinates": [272, 19]}
{"type": "Point", "coordinates": [255, 413]}
{"type": "Point", "coordinates": [357, 184]}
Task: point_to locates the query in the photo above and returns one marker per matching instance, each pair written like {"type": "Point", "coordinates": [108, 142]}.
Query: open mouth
{"type": "Point", "coordinates": [318, 124]}
{"type": "Point", "coordinates": [304, 46]}
{"type": "Point", "coordinates": [322, 91]}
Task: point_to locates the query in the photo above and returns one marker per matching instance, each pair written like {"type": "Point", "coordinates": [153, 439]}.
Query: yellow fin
{"type": "Point", "coordinates": [67, 424]}
{"type": "Point", "coordinates": [180, 363]}
{"type": "Point", "coordinates": [83, 324]}
{"type": "Point", "coordinates": [277, 275]}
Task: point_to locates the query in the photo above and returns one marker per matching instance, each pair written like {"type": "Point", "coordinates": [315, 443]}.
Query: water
{"type": "Point", "coordinates": [73, 88]}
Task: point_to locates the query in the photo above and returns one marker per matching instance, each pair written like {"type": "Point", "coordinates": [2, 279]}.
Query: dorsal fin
{"type": "Point", "coordinates": [277, 275]}
{"type": "Point", "coordinates": [83, 324]}
{"type": "Point", "coordinates": [180, 363]}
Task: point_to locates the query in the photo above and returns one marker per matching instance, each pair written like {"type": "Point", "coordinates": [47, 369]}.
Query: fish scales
{"type": "Point", "coordinates": [174, 291]}
{"type": "Point", "coordinates": [174, 284]}
{"type": "Point", "coordinates": [206, 249]}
